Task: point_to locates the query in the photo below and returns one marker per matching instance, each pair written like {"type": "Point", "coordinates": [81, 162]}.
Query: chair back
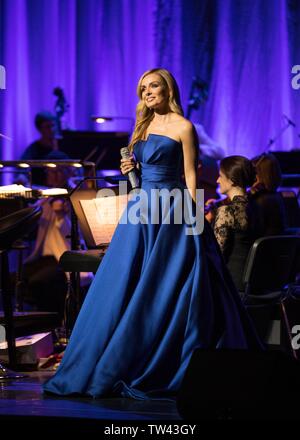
{"type": "Point", "coordinates": [292, 208]}
{"type": "Point", "coordinates": [296, 265]}
{"type": "Point", "coordinates": [270, 263]}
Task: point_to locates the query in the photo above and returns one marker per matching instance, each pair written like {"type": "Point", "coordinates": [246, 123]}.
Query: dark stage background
{"type": "Point", "coordinates": [97, 49]}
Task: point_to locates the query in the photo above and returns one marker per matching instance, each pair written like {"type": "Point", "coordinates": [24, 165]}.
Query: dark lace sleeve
{"type": "Point", "coordinates": [223, 225]}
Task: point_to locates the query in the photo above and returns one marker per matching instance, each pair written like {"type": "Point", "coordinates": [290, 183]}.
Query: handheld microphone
{"type": "Point", "coordinates": [134, 181]}
{"type": "Point", "coordinates": [289, 121]}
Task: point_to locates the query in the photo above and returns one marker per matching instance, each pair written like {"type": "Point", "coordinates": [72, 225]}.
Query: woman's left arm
{"type": "Point", "coordinates": [190, 157]}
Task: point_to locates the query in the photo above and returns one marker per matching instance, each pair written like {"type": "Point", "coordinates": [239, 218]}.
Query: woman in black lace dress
{"type": "Point", "coordinates": [237, 223]}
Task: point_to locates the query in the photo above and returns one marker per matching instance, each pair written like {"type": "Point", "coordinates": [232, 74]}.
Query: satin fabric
{"type": "Point", "coordinates": [157, 295]}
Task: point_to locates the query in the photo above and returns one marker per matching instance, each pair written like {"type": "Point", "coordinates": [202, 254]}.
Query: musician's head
{"type": "Point", "coordinates": [58, 177]}
{"type": "Point", "coordinates": [235, 172]}
{"type": "Point", "coordinates": [158, 92]}
{"type": "Point", "coordinates": [158, 88]}
{"type": "Point", "coordinates": [268, 172]}
{"type": "Point", "coordinates": [45, 124]}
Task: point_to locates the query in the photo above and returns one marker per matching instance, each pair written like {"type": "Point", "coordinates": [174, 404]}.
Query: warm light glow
{"type": "Point", "coordinates": [100, 120]}
{"type": "Point", "coordinates": [1, 166]}
{"type": "Point", "coordinates": [77, 165]}
{"type": "Point", "coordinates": [51, 165]}
{"type": "Point", "coordinates": [24, 165]}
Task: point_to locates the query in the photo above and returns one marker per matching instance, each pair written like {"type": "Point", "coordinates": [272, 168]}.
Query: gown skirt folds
{"type": "Point", "coordinates": [157, 296]}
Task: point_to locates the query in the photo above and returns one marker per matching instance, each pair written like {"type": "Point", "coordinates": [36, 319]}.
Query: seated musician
{"type": "Point", "coordinates": [238, 222]}
{"type": "Point", "coordinates": [45, 282]}
{"type": "Point", "coordinates": [41, 148]}
{"type": "Point", "coordinates": [264, 192]}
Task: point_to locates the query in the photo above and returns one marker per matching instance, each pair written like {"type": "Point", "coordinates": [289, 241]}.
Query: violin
{"type": "Point", "coordinates": [212, 205]}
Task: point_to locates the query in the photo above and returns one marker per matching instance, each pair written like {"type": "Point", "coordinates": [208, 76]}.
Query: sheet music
{"type": "Point", "coordinates": [54, 191]}
{"type": "Point", "coordinates": [102, 215]}
{"type": "Point", "coordinates": [15, 188]}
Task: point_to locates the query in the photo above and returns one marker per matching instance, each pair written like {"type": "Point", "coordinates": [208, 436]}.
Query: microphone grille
{"type": "Point", "coordinates": [125, 152]}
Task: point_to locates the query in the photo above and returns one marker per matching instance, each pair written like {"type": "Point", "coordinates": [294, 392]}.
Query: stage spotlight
{"type": "Point", "coordinates": [101, 119]}
{"type": "Point", "coordinates": [23, 165]}
{"type": "Point", "coordinates": [51, 165]}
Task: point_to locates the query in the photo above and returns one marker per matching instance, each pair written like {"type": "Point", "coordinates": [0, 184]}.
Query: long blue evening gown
{"type": "Point", "coordinates": [157, 295]}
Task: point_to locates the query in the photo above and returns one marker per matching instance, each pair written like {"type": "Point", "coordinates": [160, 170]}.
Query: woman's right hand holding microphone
{"type": "Point", "coordinates": [127, 165]}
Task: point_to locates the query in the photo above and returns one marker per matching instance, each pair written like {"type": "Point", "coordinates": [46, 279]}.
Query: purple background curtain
{"type": "Point", "coordinates": [97, 49]}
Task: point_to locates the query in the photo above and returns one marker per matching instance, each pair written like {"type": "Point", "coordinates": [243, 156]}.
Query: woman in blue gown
{"type": "Point", "coordinates": [159, 292]}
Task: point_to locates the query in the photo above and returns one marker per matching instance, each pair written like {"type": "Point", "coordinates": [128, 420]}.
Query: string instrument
{"type": "Point", "coordinates": [61, 107]}
{"type": "Point", "coordinates": [215, 204]}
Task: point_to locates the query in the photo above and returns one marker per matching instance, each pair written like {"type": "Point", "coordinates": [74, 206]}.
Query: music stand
{"type": "Point", "coordinates": [78, 218]}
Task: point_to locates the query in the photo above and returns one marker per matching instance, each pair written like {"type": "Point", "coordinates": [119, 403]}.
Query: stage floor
{"type": "Point", "coordinates": [23, 398]}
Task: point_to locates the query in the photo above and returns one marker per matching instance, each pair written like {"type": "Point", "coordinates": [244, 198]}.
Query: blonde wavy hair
{"type": "Point", "coordinates": [144, 115]}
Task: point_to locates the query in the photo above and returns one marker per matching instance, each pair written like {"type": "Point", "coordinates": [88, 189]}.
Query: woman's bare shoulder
{"type": "Point", "coordinates": [183, 125]}
{"type": "Point", "coordinates": [181, 120]}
